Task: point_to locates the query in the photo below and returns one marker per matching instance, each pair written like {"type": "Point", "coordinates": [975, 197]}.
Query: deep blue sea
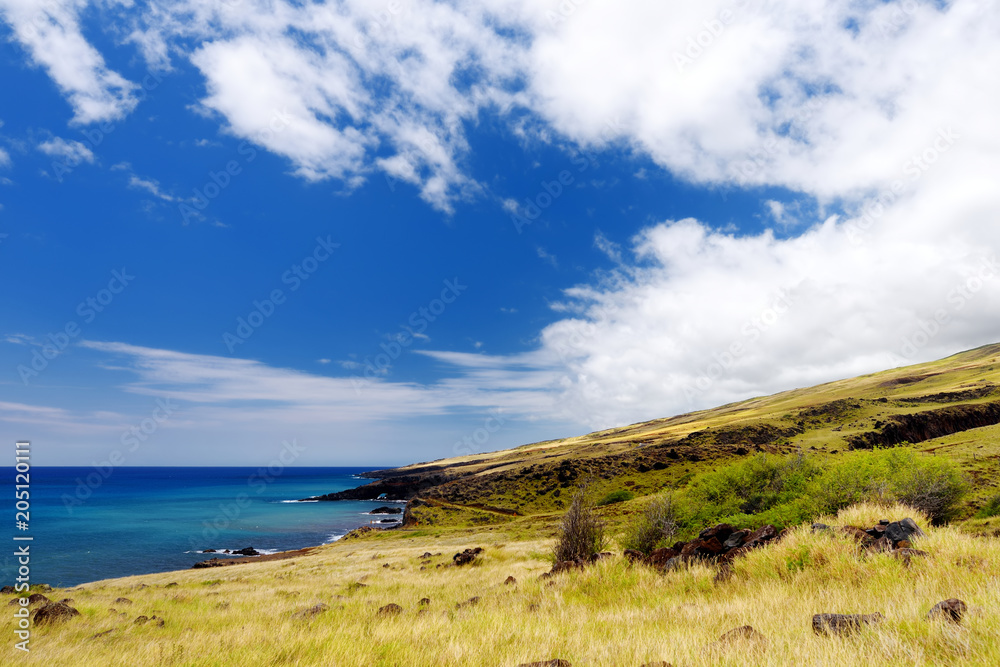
{"type": "Point", "coordinates": [142, 520]}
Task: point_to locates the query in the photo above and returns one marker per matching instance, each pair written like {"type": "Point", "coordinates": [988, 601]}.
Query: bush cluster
{"type": "Point", "coordinates": [786, 491]}
{"type": "Point", "coordinates": [581, 533]}
{"type": "Point", "coordinates": [655, 527]}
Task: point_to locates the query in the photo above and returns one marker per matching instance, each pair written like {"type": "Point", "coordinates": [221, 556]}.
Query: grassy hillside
{"type": "Point", "coordinates": [957, 400]}
{"type": "Point", "coordinates": [322, 607]}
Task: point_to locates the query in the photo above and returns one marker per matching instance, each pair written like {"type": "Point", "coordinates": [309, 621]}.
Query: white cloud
{"type": "Point", "coordinates": [151, 186]}
{"type": "Point", "coordinates": [608, 247]}
{"type": "Point", "coordinates": [4, 158]}
{"type": "Point", "coordinates": [546, 256]}
{"type": "Point", "coordinates": [51, 33]}
{"type": "Point", "coordinates": [785, 95]}
{"type": "Point", "coordinates": [69, 151]}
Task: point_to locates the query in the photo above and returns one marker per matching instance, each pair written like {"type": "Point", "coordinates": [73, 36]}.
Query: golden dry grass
{"type": "Point", "coordinates": [609, 614]}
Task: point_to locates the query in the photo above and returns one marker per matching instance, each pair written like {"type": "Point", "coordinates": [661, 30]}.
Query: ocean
{"type": "Point", "coordinates": [88, 526]}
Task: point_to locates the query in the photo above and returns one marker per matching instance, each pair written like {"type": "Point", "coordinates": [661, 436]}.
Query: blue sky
{"type": "Point", "coordinates": [631, 211]}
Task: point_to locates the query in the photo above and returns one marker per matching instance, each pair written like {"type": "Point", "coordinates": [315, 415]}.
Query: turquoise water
{"type": "Point", "coordinates": [142, 520]}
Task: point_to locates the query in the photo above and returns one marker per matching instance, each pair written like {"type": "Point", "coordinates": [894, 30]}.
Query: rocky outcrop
{"type": "Point", "coordinates": [467, 556]}
{"type": "Point", "coordinates": [721, 544]}
{"type": "Point", "coordinates": [246, 551]}
{"type": "Point", "coordinates": [927, 425]}
{"type": "Point", "coordinates": [387, 510]}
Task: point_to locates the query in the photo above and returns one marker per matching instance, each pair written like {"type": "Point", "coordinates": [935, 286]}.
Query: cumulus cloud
{"type": "Point", "coordinates": [882, 112]}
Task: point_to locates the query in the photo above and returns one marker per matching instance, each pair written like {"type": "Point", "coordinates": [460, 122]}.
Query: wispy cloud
{"type": "Point", "coordinates": [67, 150]}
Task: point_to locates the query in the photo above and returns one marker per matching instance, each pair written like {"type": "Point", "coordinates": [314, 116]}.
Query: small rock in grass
{"type": "Point", "coordinates": [122, 601]}
{"type": "Point", "coordinates": [311, 611]}
{"type": "Point", "coordinates": [53, 612]}
{"type": "Point", "coordinates": [843, 624]}
{"type": "Point", "coordinates": [467, 556]}
{"type": "Point", "coordinates": [471, 602]}
{"type": "Point", "coordinates": [391, 609]}
{"type": "Point", "coordinates": [554, 662]}
{"type": "Point", "coordinates": [510, 581]}
{"type": "Point", "coordinates": [952, 609]}
{"type": "Point", "coordinates": [141, 620]}
{"type": "Point", "coordinates": [424, 602]}
{"type": "Point", "coordinates": [742, 633]}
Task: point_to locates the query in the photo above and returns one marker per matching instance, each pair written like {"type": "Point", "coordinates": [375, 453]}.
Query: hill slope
{"type": "Point", "coordinates": [935, 405]}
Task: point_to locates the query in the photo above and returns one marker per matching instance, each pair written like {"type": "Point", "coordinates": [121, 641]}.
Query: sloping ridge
{"type": "Point", "coordinates": [928, 425]}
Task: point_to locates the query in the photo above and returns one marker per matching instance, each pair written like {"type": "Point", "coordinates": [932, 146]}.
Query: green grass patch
{"type": "Point", "coordinates": [619, 496]}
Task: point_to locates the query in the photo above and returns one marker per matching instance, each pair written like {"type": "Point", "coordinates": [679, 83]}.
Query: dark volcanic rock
{"type": "Point", "coordinates": [761, 535]}
{"type": "Point", "coordinates": [952, 609]}
{"type": "Point", "coordinates": [843, 624]}
{"type": "Point", "coordinates": [659, 557]}
{"type": "Point", "coordinates": [554, 662]}
{"type": "Point", "coordinates": [391, 609]}
{"type": "Point", "coordinates": [37, 598]}
{"type": "Point", "coordinates": [735, 540]}
{"type": "Point", "coordinates": [387, 510]}
{"type": "Point", "coordinates": [907, 529]}
{"type": "Point", "coordinates": [721, 532]}
{"type": "Point", "coordinates": [471, 602]}
{"type": "Point", "coordinates": [467, 556]}
{"type": "Point", "coordinates": [213, 562]}
{"type": "Point", "coordinates": [311, 611]}
{"type": "Point", "coordinates": [567, 565]}
{"type": "Point", "coordinates": [633, 556]}
{"type": "Point", "coordinates": [122, 601]}
{"type": "Point", "coordinates": [510, 581]}
{"type": "Point", "coordinates": [247, 551]}
{"type": "Point", "coordinates": [208, 551]}
{"type": "Point", "coordinates": [53, 612]}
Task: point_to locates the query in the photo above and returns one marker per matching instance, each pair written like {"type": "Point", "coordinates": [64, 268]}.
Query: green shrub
{"type": "Point", "coordinates": [619, 496]}
{"type": "Point", "coordinates": [581, 533]}
{"type": "Point", "coordinates": [930, 484]}
{"type": "Point", "coordinates": [654, 527]}
{"type": "Point", "coordinates": [991, 508]}
{"type": "Point", "coordinates": [763, 486]}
